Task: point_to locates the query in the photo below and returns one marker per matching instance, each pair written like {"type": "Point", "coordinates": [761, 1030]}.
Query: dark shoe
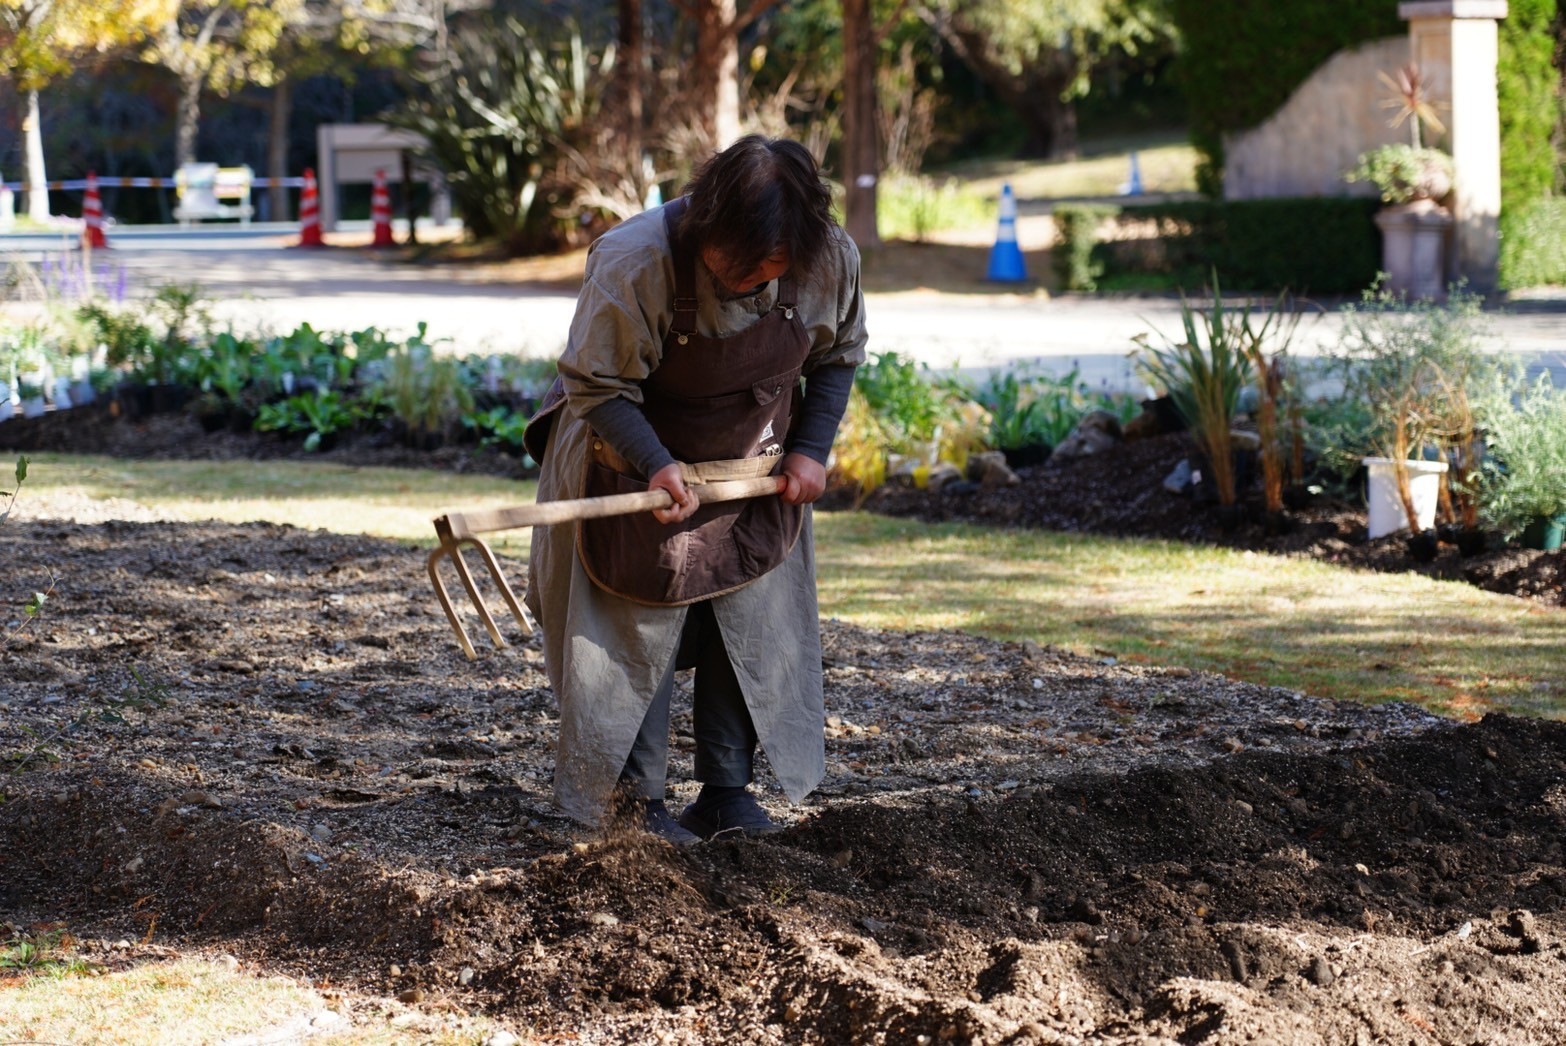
{"type": "Point", "coordinates": [728, 810]}
{"type": "Point", "coordinates": [657, 820]}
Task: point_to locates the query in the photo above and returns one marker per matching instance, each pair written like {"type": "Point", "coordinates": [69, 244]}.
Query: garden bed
{"type": "Point", "coordinates": [264, 740]}
{"type": "Point", "coordinates": [1120, 492]}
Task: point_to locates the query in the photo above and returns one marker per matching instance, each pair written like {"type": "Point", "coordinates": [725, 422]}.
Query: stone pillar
{"type": "Point", "coordinates": [1455, 43]}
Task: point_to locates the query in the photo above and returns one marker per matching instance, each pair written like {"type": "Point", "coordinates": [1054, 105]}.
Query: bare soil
{"type": "Point", "coordinates": [266, 740]}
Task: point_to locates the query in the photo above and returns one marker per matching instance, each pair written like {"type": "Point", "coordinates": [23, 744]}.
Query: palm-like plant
{"type": "Point", "coordinates": [1204, 373]}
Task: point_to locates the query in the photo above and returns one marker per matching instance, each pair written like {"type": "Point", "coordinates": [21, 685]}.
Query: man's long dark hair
{"type": "Point", "coordinates": [756, 197]}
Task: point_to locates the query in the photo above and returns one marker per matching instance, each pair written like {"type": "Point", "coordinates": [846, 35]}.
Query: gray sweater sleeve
{"type": "Point", "coordinates": [622, 423]}
{"type": "Point", "coordinates": [826, 397]}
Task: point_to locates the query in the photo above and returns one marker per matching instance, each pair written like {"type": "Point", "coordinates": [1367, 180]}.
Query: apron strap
{"type": "Point", "coordinates": [685, 303]}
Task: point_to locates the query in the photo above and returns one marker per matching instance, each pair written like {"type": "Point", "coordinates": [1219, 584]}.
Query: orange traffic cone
{"type": "Point", "coordinates": [380, 213]}
{"type": "Point", "coordinates": [92, 215]}
{"type": "Point", "coordinates": [309, 213]}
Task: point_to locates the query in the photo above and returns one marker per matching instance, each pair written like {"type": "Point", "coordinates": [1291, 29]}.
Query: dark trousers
{"type": "Point", "coordinates": [725, 735]}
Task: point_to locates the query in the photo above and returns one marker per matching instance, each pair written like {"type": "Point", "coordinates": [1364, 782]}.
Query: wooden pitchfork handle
{"type": "Point", "coordinates": [456, 529]}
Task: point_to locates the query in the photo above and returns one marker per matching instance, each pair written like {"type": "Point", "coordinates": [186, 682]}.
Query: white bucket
{"type": "Point", "coordinates": [1386, 508]}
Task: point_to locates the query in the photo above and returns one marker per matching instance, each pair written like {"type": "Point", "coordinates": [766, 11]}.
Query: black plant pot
{"type": "Point", "coordinates": [1027, 455]}
{"type": "Point", "coordinates": [1472, 542]}
{"type": "Point", "coordinates": [213, 419]}
{"type": "Point", "coordinates": [1277, 524]}
{"type": "Point", "coordinates": [1424, 546]}
{"type": "Point", "coordinates": [166, 399]}
{"type": "Point", "coordinates": [1298, 497]}
{"type": "Point", "coordinates": [1169, 417]}
{"type": "Point", "coordinates": [1230, 517]}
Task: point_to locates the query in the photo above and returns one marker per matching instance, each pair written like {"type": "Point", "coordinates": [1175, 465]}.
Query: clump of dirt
{"type": "Point", "coordinates": [1120, 492]}
{"type": "Point", "coordinates": [267, 737]}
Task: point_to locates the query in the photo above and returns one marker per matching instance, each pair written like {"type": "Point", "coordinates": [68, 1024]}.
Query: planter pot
{"type": "Point", "coordinates": [1277, 524]}
{"type": "Point", "coordinates": [1424, 546]}
{"type": "Point", "coordinates": [33, 407]}
{"type": "Point", "coordinates": [1026, 456]}
{"type": "Point", "coordinates": [1230, 517]}
{"type": "Point", "coordinates": [82, 393]}
{"type": "Point", "coordinates": [1413, 248]}
{"type": "Point", "coordinates": [1386, 508]}
{"type": "Point", "coordinates": [1472, 542]}
{"type": "Point", "coordinates": [1545, 532]}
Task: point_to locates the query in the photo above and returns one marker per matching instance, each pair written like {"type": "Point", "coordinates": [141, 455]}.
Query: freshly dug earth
{"type": "Point", "coordinates": [266, 740]}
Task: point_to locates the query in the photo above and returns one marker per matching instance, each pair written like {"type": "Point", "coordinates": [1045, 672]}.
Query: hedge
{"type": "Point", "coordinates": [1528, 86]}
{"type": "Point", "coordinates": [1243, 59]}
{"type": "Point", "coordinates": [1315, 245]}
{"type": "Point", "coordinates": [1533, 244]}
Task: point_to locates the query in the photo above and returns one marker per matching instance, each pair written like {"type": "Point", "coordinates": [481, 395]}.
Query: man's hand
{"type": "Point", "coordinates": [685, 502]}
{"type": "Point", "coordinates": [804, 477]}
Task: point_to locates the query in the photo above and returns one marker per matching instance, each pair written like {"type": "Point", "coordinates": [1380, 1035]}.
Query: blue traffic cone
{"type": "Point", "coordinates": [1133, 185]}
{"type": "Point", "coordinates": [1006, 263]}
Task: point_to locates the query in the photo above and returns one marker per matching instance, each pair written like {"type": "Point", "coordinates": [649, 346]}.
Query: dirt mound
{"type": "Point", "coordinates": [267, 737]}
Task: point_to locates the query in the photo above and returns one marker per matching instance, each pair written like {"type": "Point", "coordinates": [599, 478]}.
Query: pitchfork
{"type": "Point", "coordinates": [456, 529]}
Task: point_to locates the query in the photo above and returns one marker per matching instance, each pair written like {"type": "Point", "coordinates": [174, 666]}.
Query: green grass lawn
{"type": "Point", "coordinates": [1287, 622]}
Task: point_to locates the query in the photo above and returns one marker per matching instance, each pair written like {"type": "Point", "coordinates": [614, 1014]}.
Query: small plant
{"type": "Point", "coordinates": [424, 392]}
{"type": "Point", "coordinates": [859, 454]}
{"type": "Point", "coordinates": [497, 427]}
{"type": "Point", "coordinates": [1204, 373]}
{"type": "Point", "coordinates": [1272, 385]}
{"type": "Point", "coordinates": [10, 495]}
{"type": "Point", "coordinates": [1526, 478]}
{"type": "Point", "coordinates": [1412, 172]}
{"type": "Point", "coordinates": [42, 951]}
{"type": "Point", "coordinates": [317, 415]}
{"type": "Point", "coordinates": [915, 412]}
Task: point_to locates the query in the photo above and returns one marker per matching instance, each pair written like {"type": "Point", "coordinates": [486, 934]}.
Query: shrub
{"type": "Point", "coordinates": [1533, 244]}
{"type": "Point", "coordinates": [1315, 245]}
{"type": "Point", "coordinates": [1526, 478]}
{"type": "Point", "coordinates": [1076, 231]}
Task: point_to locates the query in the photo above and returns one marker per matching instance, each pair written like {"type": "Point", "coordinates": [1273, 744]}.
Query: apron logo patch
{"type": "Point", "coordinates": [766, 434]}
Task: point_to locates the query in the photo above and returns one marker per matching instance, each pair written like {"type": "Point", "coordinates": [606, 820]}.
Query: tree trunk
{"type": "Point", "coordinates": [277, 149]}
{"type": "Point", "coordinates": [1037, 95]}
{"type": "Point", "coordinates": [861, 161]}
{"type": "Point", "coordinates": [37, 178]}
{"type": "Point", "coordinates": [187, 120]}
{"type": "Point", "coordinates": [715, 72]}
{"type": "Point", "coordinates": [628, 72]}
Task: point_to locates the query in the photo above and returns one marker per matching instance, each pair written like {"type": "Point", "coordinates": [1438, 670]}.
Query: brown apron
{"type": "Point", "coordinates": [730, 397]}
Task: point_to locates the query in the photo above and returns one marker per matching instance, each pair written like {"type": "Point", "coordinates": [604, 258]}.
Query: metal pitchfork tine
{"type": "Point", "coordinates": [456, 529]}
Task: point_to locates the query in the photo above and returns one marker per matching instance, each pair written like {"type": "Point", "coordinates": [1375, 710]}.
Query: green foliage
{"type": "Point", "coordinates": [1204, 372]}
{"type": "Point", "coordinates": [501, 114]}
{"type": "Point", "coordinates": [912, 208]}
{"type": "Point", "coordinates": [1528, 90]}
{"type": "Point", "coordinates": [424, 392]}
{"type": "Point", "coordinates": [1076, 229]}
{"type": "Point", "coordinates": [43, 951]}
{"type": "Point", "coordinates": [1403, 173]}
{"type": "Point", "coordinates": [1028, 409]}
{"type": "Point", "coordinates": [1526, 477]}
{"type": "Point", "coordinates": [1315, 245]}
{"type": "Point", "coordinates": [10, 495]}
{"type": "Point", "coordinates": [316, 415]}
{"type": "Point", "coordinates": [1403, 368]}
{"type": "Point", "coordinates": [1533, 244]}
{"type": "Point", "coordinates": [1242, 60]}
{"type": "Point", "coordinates": [497, 426]}
{"type": "Point", "coordinates": [912, 408]}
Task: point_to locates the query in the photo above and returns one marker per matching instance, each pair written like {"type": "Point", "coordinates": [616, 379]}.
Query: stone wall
{"type": "Point", "coordinates": [1320, 132]}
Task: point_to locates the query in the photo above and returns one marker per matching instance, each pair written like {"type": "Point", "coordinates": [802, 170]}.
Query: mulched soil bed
{"type": "Point", "coordinates": [1120, 492]}
{"type": "Point", "coordinates": [265, 740]}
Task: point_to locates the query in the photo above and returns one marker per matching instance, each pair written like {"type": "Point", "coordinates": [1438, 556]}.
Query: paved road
{"type": "Point", "coordinates": [260, 280]}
